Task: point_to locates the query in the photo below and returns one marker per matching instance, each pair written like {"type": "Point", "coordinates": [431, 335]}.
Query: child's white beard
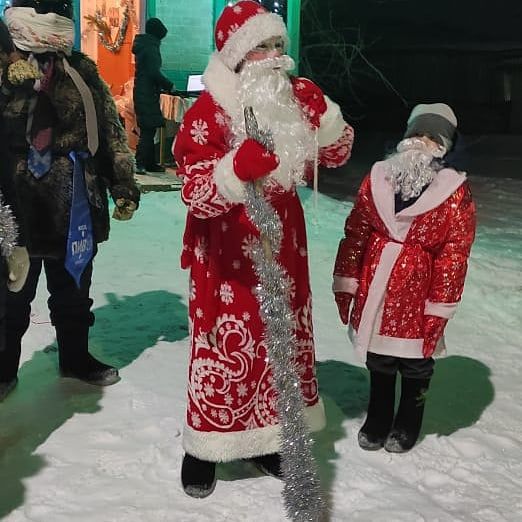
{"type": "Point", "coordinates": [268, 90]}
{"type": "Point", "coordinates": [411, 168]}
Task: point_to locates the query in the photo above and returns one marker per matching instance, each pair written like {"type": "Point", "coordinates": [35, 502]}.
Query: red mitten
{"type": "Point", "coordinates": [433, 330]}
{"type": "Point", "coordinates": [253, 161]}
{"type": "Point", "coordinates": [312, 99]}
{"type": "Point", "coordinates": [343, 300]}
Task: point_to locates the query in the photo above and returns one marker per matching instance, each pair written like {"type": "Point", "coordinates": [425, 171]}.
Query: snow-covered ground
{"type": "Point", "coordinates": [72, 452]}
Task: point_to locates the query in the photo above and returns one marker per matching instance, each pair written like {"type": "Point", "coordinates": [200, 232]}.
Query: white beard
{"type": "Point", "coordinates": [264, 85]}
{"type": "Point", "coordinates": [411, 168]}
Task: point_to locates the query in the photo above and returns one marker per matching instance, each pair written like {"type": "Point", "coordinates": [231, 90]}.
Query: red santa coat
{"type": "Point", "coordinates": [231, 398]}
{"type": "Point", "coordinates": [402, 266]}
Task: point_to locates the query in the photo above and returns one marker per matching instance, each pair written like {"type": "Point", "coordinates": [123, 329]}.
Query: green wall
{"type": "Point", "coordinates": [188, 44]}
{"type": "Point", "coordinates": [190, 40]}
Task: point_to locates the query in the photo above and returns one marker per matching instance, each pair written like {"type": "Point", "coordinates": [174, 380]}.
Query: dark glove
{"type": "Point", "coordinates": [253, 161]}
{"type": "Point", "coordinates": [343, 300]}
{"type": "Point", "coordinates": [127, 193]}
{"type": "Point", "coordinates": [124, 209]}
{"type": "Point", "coordinates": [433, 331]}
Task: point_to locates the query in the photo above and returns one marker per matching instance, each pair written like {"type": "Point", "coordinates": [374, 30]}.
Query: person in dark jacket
{"type": "Point", "coordinates": [67, 148]}
{"type": "Point", "coordinates": [148, 85]}
{"type": "Point", "coordinates": [14, 258]}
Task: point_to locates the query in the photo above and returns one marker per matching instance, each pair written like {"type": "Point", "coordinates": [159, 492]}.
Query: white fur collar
{"type": "Point", "coordinates": [445, 183]}
{"type": "Point", "coordinates": [221, 83]}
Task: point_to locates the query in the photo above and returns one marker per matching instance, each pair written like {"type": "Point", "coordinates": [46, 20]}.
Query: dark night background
{"type": "Point", "coordinates": [468, 54]}
{"type": "Point", "coordinates": [378, 58]}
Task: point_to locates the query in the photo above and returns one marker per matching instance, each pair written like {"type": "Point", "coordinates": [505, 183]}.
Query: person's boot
{"type": "Point", "coordinates": [380, 411]}
{"type": "Point", "coordinates": [9, 362]}
{"type": "Point", "coordinates": [408, 421]}
{"type": "Point", "coordinates": [155, 168]}
{"type": "Point", "coordinates": [269, 464]}
{"type": "Point", "coordinates": [6, 387]}
{"type": "Point", "coordinates": [76, 362]}
{"type": "Point", "coordinates": [198, 477]}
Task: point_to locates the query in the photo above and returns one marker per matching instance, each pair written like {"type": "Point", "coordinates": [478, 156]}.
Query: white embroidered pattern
{"type": "Point", "coordinates": [233, 29]}
{"type": "Point", "coordinates": [220, 119]}
{"type": "Point", "coordinates": [199, 190]}
{"type": "Point", "coordinates": [212, 380]}
{"type": "Point", "coordinates": [192, 290]}
{"type": "Point", "coordinates": [226, 293]}
{"type": "Point", "coordinates": [199, 132]}
{"type": "Point", "coordinates": [201, 250]}
{"type": "Point", "coordinates": [248, 245]}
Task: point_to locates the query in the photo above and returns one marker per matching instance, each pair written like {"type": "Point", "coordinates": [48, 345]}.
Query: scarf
{"type": "Point", "coordinates": [39, 33]}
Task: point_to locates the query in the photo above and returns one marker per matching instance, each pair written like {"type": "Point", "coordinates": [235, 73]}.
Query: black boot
{"type": "Point", "coordinates": [408, 421]}
{"type": "Point", "coordinates": [76, 362]}
{"type": "Point", "coordinates": [380, 411]}
{"type": "Point", "coordinates": [9, 361]}
{"type": "Point", "coordinates": [10, 352]}
{"type": "Point", "coordinates": [154, 167]}
{"type": "Point", "coordinates": [269, 464]}
{"type": "Point", "coordinates": [198, 477]}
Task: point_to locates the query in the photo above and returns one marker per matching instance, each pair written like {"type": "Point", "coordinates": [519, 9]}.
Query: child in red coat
{"type": "Point", "coordinates": [402, 262]}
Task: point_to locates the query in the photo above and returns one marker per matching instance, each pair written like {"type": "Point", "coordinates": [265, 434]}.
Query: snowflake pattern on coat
{"type": "Point", "coordinates": [231, 386]}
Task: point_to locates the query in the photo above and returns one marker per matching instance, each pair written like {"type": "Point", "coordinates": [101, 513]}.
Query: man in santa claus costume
{"type": "Point", "coordinates": [231, 397]}
{"type": "Point", "coordinates": [67, 148]}
{"type": "Point", "coordinates": [402, 262]}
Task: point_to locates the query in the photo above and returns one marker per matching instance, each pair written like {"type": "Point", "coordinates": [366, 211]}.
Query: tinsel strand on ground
{"type": "Point", "coordinates": [302, 492]}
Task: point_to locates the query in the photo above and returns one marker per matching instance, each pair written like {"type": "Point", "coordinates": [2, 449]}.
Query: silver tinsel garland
{"type": "Point", "coordinates": [302, 491]}
{"type": "Point", "coordinates": [8, 229]}
{"type": "Point", "coordinates": [115, 46]}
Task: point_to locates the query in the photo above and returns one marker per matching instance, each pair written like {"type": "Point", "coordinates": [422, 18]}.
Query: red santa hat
{"type": "Point", "coordinates": [241, 27]}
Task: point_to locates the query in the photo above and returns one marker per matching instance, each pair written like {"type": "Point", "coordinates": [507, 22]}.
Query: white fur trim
{"type": "Point", "coordinates": [384, 200]}
{"type": "Point", "coordinates": [406, 348]}
{"type": "Point", "coordinates": [397, 347]}
{"type": "Point", "coordinates": [332, 124]}
{"type": "Point", "coordinates": [372, 311]}
{"type": "Point", "coordinates": [227, 183]}
{"type": "Point", "coordinates": [282, 176]}
{"type": "Point", "coordinates": [444, 184]}
{"type": "Point", "coordinates": [221, 83]}
{"type": "Point", "coordinates": [444, 310]}
{"type": "Point", "coordinates": [216, 446]}
{"type": "Point", "coordinates": [254, 31]}
{"type": "Point", "coordinates": [345, 284]}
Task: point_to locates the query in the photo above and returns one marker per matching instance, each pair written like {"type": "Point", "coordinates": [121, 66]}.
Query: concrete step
{"type": "Point", "coordinates": [158, 181]}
